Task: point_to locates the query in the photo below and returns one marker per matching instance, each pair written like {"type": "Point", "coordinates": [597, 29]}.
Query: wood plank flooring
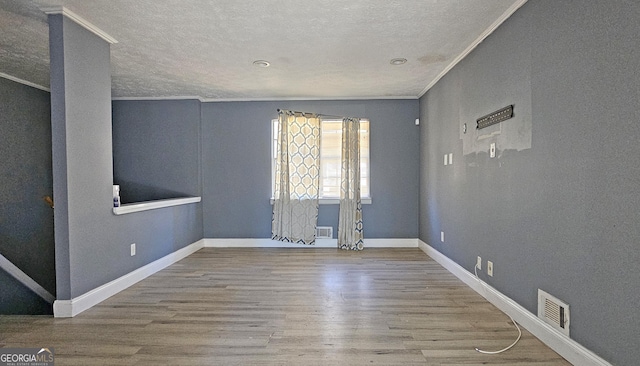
{"type": "Point", "coordinates": [287, 307]}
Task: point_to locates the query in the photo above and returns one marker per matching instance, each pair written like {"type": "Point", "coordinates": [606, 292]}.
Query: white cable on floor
{"type": "Point", "coordinates": [475, 270]}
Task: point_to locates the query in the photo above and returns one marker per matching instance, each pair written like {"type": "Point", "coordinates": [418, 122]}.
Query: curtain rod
{"type": "Point", "coordinates": [318, 114]}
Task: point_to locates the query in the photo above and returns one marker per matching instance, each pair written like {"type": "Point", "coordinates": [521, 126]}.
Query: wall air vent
{"type": "Point", "coordinates": [324, 232]}
{"type": "Point", "coordinates": [553, 312]}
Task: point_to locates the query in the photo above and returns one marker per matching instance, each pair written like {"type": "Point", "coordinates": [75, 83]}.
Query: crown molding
{"type": "Point", "coordinates": [55, 10]}
{"type": "Point", "coordinates": [24, 82]}
{"type": "Point", "coordinates": [506, 15]}
{"type": "Point", "coordinates": [222, 100]}
{"type": "Point", "coordinates": [179, 97]}
{"type": "Point", "coordinates": [211, 100]}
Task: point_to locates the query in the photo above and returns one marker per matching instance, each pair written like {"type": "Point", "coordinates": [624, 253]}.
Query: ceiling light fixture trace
{"type": "Point", "coordinates": [398, 61]}
{"type": "Point", "coordinates": [262, 63]}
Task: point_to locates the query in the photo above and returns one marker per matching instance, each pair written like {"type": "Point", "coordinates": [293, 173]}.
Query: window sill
{"type": "Point", "coordinates": [152, 205]}
{"type": "Point", "coordinates": [331, 201]}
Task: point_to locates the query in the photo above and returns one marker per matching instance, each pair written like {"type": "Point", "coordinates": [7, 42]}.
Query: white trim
{"type": "Point", "coordinates": [390, 243]}
{"type": "Point", "coordinates": [73, 307]}
{"type": "Point", "coordinates": [54, 10]}
{"type": "Point", "coordinates": [152, 205]}
{"type": "Point", "coordinates": [275, 99]}
{"type": "Point", "coordinates": [24, 278]}
{"type": "Point", "coordinates": [320, 243]}
{"type": "Point", "coordinates": [508, 13]}
{"type": "Point", "coordinates": [330, 201]}
{"type": "Point", "coordinates": [183, 97]}
{"type": "Point", "coordinates": [571, 350]}
{"type": "Point", "coordinates": [24, 82]}
{"type": "Point", "coordinates": [269, 99]}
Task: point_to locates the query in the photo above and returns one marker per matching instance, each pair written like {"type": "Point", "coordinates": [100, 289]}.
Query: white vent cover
{"type": "Point", "coordinates": [324, 232]}
{"type": "Point", "coordinates": [553, 311]}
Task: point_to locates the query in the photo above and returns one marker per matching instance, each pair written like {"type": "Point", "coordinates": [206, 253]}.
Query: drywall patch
{"type": "Point", "coordinates": [514, 134]}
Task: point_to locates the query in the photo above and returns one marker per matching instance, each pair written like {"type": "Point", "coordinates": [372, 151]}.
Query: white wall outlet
{"type": "Point", "coordinates": [490, 268]}
{"type": "Point", "coordinates": [450, 158]}
{"type": "Point", "coordinates": [133, 249]}
{"type": "Point", "coordinates": [442, 236]}
{"type": "Point", "coordinates": [446, 159]}
{"type": "Point", "coordinates": [492, 150]}
{"type": "Point", "coordinates": [479, 262]}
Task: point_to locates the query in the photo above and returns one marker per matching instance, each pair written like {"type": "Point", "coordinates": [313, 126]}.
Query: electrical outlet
{"type": "Point", "coordinates": [479, 262]}
{"type": "Point", "coordinates": [490, 268]}
{"type": "Point", "coordinates": [442, 236]}
{"type": "Point", "coordinates": [492, 150]}
{"type": "Point", "coordinates": [450, 158]}
{"type": "Point", "coordinates": [446, 159]}
{"type": "Point", "coordinates": [133, 249]}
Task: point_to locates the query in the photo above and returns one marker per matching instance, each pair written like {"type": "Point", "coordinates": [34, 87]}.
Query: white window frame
{"type": "Point", "coordinates": [322, 200]}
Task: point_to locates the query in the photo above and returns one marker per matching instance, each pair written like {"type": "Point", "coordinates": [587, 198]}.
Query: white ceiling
{"type": "Point", "coordinates": [318, 49]}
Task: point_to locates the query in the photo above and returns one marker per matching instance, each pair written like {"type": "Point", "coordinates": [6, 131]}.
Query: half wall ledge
{"type": "Point", "coordinates": [152, 205]}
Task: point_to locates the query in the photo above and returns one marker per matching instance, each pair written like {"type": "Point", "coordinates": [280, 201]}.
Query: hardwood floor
{"type": "Point", "coordinates": [287, 307]}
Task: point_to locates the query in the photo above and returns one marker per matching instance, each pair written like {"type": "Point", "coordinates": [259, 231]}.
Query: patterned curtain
{"type": "Point", "coordinates": [295, 210]}
{"type": "Point", "coordinates": [350, 218]}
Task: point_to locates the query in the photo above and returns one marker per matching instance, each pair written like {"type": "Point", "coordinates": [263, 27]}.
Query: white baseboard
{"type": "Point", "coordinates": [73, 307]}
{"type": "Point", "coordinates": [566, 347]}
{"type": "Point", "coordinates": [320, 243]}
{"type": "Point", "coordinates": [571, 350]}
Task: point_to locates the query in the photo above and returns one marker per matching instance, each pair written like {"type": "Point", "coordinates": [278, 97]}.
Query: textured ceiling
{"type": "Point", "coordinates": [320, 49]}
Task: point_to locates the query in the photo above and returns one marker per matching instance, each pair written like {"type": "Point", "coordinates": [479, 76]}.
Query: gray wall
{"type": "Point", "coordinates": [557, 209]}
{"type": "Point", "coordinates": [26, 221]}
{"type": "Point", "coordinates": [156, 149]}
{"type": "Point", "coordinates": [18, 299]}
{"type": "Point", "coordinates": [92, 244]}
{"type": "Point", "coordinates": [236, 166]}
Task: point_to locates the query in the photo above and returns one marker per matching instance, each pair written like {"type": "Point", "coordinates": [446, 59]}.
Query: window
{"type": "Point", "coordinates": [330, 158]}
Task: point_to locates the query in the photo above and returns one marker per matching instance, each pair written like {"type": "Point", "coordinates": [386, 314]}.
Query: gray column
{"type": "Point", "coordinates": [82, 152]}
